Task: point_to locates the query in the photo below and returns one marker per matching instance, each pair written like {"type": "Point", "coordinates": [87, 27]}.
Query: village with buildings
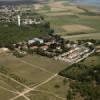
{"type": "Point", "coordinates": [52, 45]}
{"type": "Point", "coordinates": [44, 56]}
{"type": "Point", "coordinates": [55, 47]}
{"type": "Point", "coordinates": [9, 14]}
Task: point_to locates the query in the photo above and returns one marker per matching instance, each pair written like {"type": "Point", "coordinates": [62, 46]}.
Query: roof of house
{"type": "Point", "coordinates": [45, 47]}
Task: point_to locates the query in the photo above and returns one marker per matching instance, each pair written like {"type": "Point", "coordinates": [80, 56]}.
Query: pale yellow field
{"type": "Point", "coordinates": [59, 14]}
{"type": "Point", "coordinates": [59, 6]}
{"type": "Point", "coordinates": [76, 28]}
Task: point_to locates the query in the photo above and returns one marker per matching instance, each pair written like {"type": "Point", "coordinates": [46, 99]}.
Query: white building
{"type": "Point", "coordinates": [41, 41]}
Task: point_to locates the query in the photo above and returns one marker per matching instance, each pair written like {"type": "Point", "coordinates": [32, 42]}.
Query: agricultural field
{"type": "Point", "coordinates": [35, 77]}
{"type": "Point", "coordinates": [83, 36]}
{"type": "Point", "coordinates": [28, 74]}
{"type": "Point", "coordinates": [58, 22]}
{"type": "Point", "coordinates": [76, 28]}
{"type": "Point", "coordinates": [67, 18]}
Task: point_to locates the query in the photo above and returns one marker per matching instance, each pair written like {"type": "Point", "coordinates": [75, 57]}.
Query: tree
{"type": "Point", "coordinates": [57, 86]}
{"type": "Point", "coordinates": [69, 95]}
{"type": "Point", "coordinates": [64, 81]}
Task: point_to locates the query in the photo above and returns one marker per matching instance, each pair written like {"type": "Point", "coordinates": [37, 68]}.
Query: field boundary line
{"type": "Point", "coordinates": [51, 93]}
{"type": "Point", "coordinates": [15, 80]}
{"type": "Point", "coordinates": [8, 90]}
{"type": "Point", "coordinates": [35, 66]}
{"type": "Point", "coordinates": [7, 84]}
{"type": "Point", "coordinates": [33, 88]}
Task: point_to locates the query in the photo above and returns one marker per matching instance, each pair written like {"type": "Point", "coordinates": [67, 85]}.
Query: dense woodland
{"type": "Point", "coordinates": [10, 33]}
{"type": "Point", "coordinates": [85, 81]}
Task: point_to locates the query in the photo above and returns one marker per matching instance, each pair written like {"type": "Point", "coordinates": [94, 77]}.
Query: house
{"type": "Point", "coordinates": [89, 43]}
{"type": "Point", "coordinates": [48, 43]}
{"type": "Point", "coordinates": [34, 40]}
{"type": "Point", "coordinates": [31, 41]}
{"type": "Point", "coordinates": [39, 40]}
{"type": "Point", "coordinates": [98, 49]}
{"type": "Point", "coordinates": [3, 50]}
{"type": "Point", "coordinates": [33, 47]}
{"type": "Point", "coordinates": [45, 47]}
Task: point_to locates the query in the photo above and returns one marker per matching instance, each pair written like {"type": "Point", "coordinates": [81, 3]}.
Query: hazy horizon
{"type": "Point", "coordinates": [94, 2]}
{"type": "Point", "coordinates": [86, 2]}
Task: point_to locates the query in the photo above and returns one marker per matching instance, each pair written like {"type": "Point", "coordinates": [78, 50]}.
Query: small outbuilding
{"type": "Point", "coordinates": [3, 50]}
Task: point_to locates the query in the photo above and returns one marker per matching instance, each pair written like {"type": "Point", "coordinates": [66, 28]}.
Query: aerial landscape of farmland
{"type": "Point", "coordinates": [49, 50]}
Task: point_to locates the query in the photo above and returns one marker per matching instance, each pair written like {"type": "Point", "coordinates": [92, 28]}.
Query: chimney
{"type": "Point", "coordinates": [18, 20]}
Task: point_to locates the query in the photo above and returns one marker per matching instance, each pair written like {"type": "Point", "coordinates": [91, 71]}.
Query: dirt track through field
{"type": "Point", "coordinates": [32, 89]}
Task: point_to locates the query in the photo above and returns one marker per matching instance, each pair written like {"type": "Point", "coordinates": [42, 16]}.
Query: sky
{"type": "Point", "coordinates": [90, 2]}
{"type": "Point", "coordinates": [19, 0]}
{"type": "Point", "coordinates": [22, 0]}
{"type": "Point", "coordinates": [11, 0]}
{"type": "Point", "coordinates": [81, 1]}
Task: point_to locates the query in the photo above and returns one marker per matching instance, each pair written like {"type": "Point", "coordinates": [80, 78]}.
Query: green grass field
{"type": "Point", "coordinates": [95, 23]}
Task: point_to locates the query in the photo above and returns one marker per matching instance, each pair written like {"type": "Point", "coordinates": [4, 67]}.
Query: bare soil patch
{"type": "Point", "coordinates": [59, 14]}
{"type": "Point", "coordinates": [77, 28]}
{"type": "Point", "coordinates": [59, 6]}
